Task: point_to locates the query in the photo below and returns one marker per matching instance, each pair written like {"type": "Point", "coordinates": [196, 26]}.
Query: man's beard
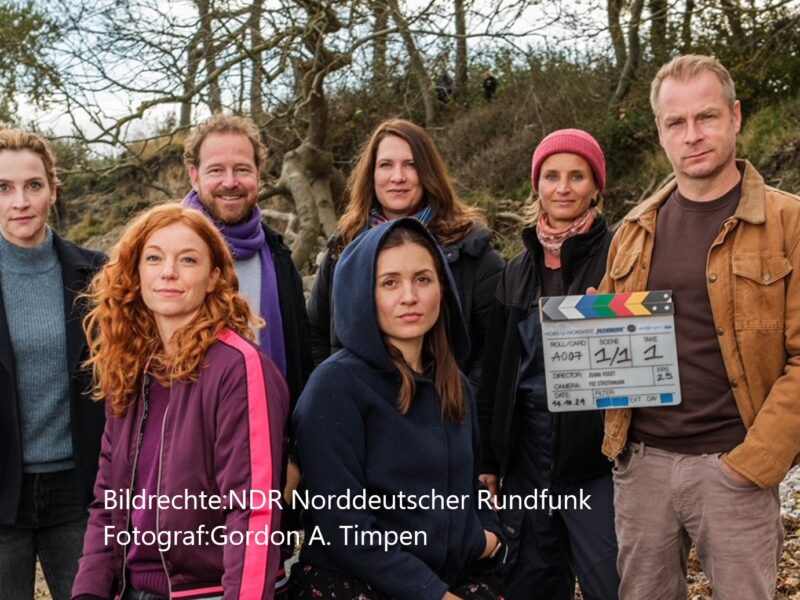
{"type": "Point", "coordinates": [227, 217]}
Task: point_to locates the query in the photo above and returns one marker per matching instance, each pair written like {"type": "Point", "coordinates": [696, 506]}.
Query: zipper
{"type": "Point", "coordinates": [158, 489]}
{"type": "Point", "coordinates": [553, 456]}
{"type": "Point", "coordinates": [131, 490]}
{"type": "Point", "coordinates": [509, 425]}
{"type": "Point", "coordinates": [510, 417]}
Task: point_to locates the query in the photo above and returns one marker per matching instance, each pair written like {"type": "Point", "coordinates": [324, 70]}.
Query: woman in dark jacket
{"type": "Point", "coordinates": [386, 436]}
{"type": "Point", "coordinates": [526, 447]}
{"type": "Point", "coordinates": [196, 421]}
{"type": "Point", "coordinates": [49, 427]}
{"type": "Point", "coordinates": [400, 173]}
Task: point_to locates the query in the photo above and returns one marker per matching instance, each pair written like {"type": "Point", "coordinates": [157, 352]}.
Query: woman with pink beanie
{"type": "Point", "coordinates": [527, 449]}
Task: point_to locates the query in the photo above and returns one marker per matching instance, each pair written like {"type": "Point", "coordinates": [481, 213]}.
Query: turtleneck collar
{"type": "Point", "coordinates": [28, 260]}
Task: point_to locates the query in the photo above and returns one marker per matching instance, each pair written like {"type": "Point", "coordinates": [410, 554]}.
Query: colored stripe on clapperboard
{"type": "Point", "coordinates": [604, 306]}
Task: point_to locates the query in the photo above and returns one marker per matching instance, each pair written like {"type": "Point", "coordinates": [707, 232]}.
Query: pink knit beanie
{"type": "Point", "coordinates": [574, 141]}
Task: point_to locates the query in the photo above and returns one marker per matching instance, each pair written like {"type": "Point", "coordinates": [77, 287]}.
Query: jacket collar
{"type": "Point", "coordinates": [752, 205]}
{"type": "Point", "coordinates": [76, 269]}
{"type": "Point", "coordinates": [274, 239]}
{"type": "Point", "coordinates": [475, 243]}
{"type": "Point", "coordinates": [6, 356]}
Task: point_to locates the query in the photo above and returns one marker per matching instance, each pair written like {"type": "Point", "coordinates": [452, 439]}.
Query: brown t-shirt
{"type": "Point", "coordinates": [706, 420]}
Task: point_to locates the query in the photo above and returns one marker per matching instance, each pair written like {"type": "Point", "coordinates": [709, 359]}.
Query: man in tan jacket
{"type": "Point", "coordinates": [707, 470]}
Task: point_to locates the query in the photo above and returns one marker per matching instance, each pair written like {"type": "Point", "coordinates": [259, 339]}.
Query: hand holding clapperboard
{"type": "Point", "coordinates": [610, 351]}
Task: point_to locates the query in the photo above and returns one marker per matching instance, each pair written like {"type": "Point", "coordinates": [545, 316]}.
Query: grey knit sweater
{"type": "Point", "coordinates": [33, 297]}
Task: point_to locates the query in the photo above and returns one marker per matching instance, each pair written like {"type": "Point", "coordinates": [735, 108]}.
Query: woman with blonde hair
{"type": "Point", "coordinates": [49, 427]}
{"type": "Point", "coordinates": [195, 418]}
{"type": "Point", "coordinates": [400, 173]}
{"type": "Point", "coordinates": [525, 447]}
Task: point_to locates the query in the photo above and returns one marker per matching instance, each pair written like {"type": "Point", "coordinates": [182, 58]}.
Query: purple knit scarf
{"type": "Point", "coordinates": [245, 239]}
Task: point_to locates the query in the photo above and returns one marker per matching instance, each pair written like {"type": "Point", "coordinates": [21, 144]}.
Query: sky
{"type": "Point", "coordinates": [116, 104]}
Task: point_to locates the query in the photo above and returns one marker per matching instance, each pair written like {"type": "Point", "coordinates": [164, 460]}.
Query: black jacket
{"type": "Point", "coordinates": [476, 268]}
{"type": "Point", "coordinates": [292, 303]}
{"type": "Point", "coordinates": [87, 417]}
{"type": "Point", "coordinates": [577, 436]}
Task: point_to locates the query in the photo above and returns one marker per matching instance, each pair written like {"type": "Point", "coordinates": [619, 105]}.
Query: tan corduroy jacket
{"type": "Point", "coordinates": [753, 280]}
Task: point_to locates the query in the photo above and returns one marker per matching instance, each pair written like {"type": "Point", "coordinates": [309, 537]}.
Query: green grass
{"type": "Point", "coordinates": [770, 128]}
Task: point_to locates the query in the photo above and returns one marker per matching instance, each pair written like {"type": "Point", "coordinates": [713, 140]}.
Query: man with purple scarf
{"type": "Point", "coordinates": [224, 156]}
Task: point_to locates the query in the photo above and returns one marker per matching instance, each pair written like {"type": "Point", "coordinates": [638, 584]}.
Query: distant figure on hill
{"type": "Point", "coordinates": [489, 86]}
{"type": "Point", "coordinates": [444, 88]}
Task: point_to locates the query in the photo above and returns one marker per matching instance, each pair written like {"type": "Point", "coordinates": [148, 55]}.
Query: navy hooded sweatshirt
{"type": "Point", "coordinates": [352, 438]}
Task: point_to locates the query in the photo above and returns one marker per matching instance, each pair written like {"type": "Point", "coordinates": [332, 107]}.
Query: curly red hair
{"type": "Point", "coordinates": [120, 329]}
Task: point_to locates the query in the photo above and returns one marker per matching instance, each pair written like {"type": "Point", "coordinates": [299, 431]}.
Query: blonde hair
{"type": "Point", "coordinates": [120, 330]}
{"type": "Point", "coordinates": [17, 140]}
{"type": "Point", "coordinates": [684, 68]}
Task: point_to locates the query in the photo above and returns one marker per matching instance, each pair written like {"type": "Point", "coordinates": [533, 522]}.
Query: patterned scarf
{"type": "Point", "coordinates": [376, 216]}
{"type": "Point", "coordinates": [552, 239]}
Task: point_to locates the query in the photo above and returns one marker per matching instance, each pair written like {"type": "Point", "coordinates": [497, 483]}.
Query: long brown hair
{"type": "Point", "coordinates": [452, 217]}
{"type": "Point", "coordinates": [436, 344]}
{"type": "Point", "coordinates": [120, 329]}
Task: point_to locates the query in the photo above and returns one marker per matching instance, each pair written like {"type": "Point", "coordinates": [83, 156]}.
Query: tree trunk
{"type": "Point", "coordinates": [632, 62]}
{"type": "Point", "coordinates": [209, 54]}
{"type": "Point", "coordinates": [417, 64]}
{"type": "Point", "coordinates": [192, 64]}
{"type": "Point", "coordinates": [658, 30]}
{"type": "Point", "coordinates": [308, 171]}
{"type": "Point", "coordinates": [461, 82]}
{"type": "Point", "coordinates": [733, 12]}
{"type": "Point", "coordinates": [294, 179]}
{"type": "Point", "coordinates": [317, 110]}
{"type": "Point", "coordinates": [617, 35]}
{"type": "Point", "coordinates": [379, 71]}
{"type": "Point", "coordinates": [257, 77]}
{"type": "Point", "coordinates": [686, 27]}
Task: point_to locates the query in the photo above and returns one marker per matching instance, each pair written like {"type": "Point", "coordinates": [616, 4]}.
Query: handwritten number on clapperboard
{"type": "Point", "coordinates": [565, 356]}
{"type": "Point", "coordinates": [662, 376]}
{"type": "Point", "coordinates": [620, 356]}
{"type": "Point", "coordinates": [650, 353]}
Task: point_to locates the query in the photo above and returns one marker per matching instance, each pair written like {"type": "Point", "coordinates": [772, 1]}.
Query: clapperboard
{"type": "Point", "coordinates": [610, 351]}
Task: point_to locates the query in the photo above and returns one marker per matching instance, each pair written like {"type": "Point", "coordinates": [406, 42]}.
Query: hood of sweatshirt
{"type": "Point", "coordinates": [355, 317]}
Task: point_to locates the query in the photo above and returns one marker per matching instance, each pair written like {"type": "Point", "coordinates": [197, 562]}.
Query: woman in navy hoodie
{"type": "Point", "coordinates": [387, 439]}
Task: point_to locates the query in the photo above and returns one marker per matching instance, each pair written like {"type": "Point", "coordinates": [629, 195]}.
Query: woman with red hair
{"type": "Point", "coordinates": [195, 420]}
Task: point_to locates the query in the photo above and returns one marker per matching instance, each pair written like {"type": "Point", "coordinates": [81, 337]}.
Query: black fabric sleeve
{"type": "Point", "coordinates": [487, 275]}
{"type": "Point", "coordinates": [496, 323]}
{"type": "Point", "coordinates": [319, 311]}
